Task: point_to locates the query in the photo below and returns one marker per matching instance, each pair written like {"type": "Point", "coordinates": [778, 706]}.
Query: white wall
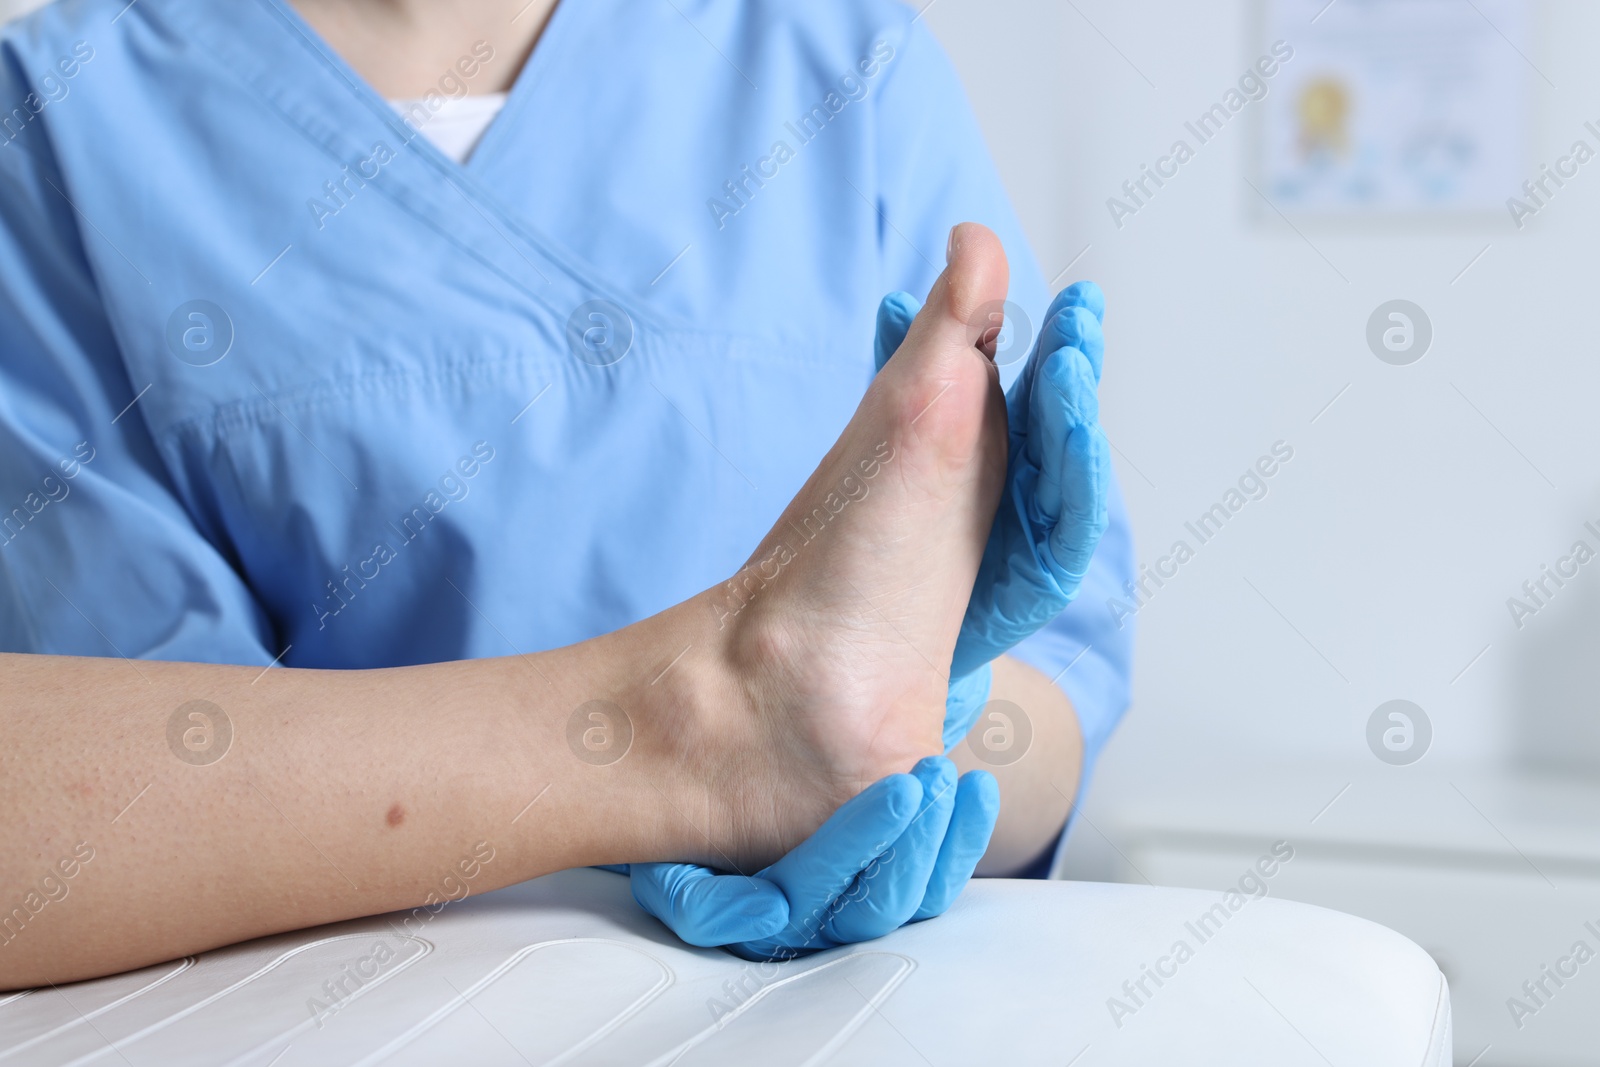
{"type": "Point", "coordinates": [1390, 542]}
{"type": "Point", "coordinates": [10, 9]}
{"type": "Point", "coordinates": [1405, 520]}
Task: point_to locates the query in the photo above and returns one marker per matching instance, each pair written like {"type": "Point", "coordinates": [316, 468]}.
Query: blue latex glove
{"type": "Point", "coordinates": [899, 852]}
{"type": "Point", "coordinates": [1053, 509]}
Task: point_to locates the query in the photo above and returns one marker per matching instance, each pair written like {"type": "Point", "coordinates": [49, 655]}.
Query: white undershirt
{"type": "Point", "coordinates": [457, 125]}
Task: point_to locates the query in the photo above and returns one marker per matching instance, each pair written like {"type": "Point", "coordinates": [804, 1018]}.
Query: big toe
{"type": "Point", "coordinates": [942, 375]}
{"type": "Point", "coordinates": [963, 312]}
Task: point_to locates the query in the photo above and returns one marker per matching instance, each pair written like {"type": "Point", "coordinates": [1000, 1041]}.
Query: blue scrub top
{"type": "Point", "coordinates": [280, 381]}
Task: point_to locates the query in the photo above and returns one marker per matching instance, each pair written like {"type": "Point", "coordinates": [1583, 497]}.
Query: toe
{"type": "Point", "coordinates": [964, 305]}
{"type": "Point", "coordinates": [975, 278]}
{"type": "Point", "coordinates": [942, 375]}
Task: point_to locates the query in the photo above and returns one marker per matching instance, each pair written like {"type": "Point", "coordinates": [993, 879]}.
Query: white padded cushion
{"type": "Point", "coordinates": [566, 969]}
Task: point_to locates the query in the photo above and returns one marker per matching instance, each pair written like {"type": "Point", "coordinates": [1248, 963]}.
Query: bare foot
{"type": "Point", "coordinates": [839, 631]}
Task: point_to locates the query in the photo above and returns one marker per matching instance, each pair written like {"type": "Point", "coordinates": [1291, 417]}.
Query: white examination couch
{"type": "Point", "coordinates": [567, 970]}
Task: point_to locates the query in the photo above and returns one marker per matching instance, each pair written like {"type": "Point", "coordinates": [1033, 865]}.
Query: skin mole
{"type": "Point", "coordinates": [397, 814]}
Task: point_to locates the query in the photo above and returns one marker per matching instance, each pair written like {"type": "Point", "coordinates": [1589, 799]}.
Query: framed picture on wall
{"type": "Point", "coordinates": [1408, 107]}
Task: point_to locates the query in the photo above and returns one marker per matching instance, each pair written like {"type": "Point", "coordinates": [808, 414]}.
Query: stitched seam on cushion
{"type": "Point", "coordinates": [1440, 1028]}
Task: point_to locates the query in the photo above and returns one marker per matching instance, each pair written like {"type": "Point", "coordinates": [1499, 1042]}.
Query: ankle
{"type": "Point", "coordinates": [744, 746]}
{"type": "Point", "coordinates": [702, 760]}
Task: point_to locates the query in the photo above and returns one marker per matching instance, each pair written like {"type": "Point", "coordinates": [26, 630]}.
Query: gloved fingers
{"type": "Point", "coordinates": [816, 873]}
{"type": "Point", "coordinates": [1069, 327]}
{"type": "Point", "coordinates": [1074, 326]}
{"type": "Point", "coordinates": [977, 807]}
{"type": "Point", "coordinates": [1084, 486]}
{"type": "Point", "coordinates": [1063, 403]}
{"type": "Point", "coordinates": [820, 869]}
{"type": "Point", "coordinates": [614, 868]}
{"type": "Point", "coordinates": [889, 890]}
{"type": "Point", "coordinates": [1085, 295]}
{"type": "Point", "coordinates": [1066, 325]}
{"type": "Point", "coordinates": [709, 909]}
{"type": "Point", "coordinates": [1073, 320]}
{"type": "Point", "coordinates": [895, 313]}
{"type": "Point", "coordinates": [962, 703]}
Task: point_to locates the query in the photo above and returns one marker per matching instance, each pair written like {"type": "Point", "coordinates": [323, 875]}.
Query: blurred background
{"type": "Point", "coordinates": [1342, 266]}
{"type": "Point", "coordinates": [1433, 472]}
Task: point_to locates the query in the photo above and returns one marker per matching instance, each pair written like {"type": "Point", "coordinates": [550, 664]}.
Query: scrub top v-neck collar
{"type": "Point", "coordinates": [295, 71]}
{"type": "Point", "coordinates": [522, 86]}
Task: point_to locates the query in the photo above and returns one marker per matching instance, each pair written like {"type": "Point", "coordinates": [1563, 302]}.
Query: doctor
{"type": "Point", "coordinates": [318, 355]}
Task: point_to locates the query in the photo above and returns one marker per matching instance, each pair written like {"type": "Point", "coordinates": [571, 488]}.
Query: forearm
{"type": "Point", "coordinates": [341, 793]}
{"type": "Point", "coordinates": [1036, 790]}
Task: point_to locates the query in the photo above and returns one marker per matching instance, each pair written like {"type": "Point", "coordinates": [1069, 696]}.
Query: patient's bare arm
{"type": "Point", "coordinates": [198, 805]}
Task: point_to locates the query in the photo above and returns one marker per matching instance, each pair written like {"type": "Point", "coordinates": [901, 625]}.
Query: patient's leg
{"type": "Point", "coordinates": [750, 712]}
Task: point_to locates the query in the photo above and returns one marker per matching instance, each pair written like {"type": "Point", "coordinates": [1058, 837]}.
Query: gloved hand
{"type": "Point", "coordinates": [899, 852]}
{"type": "Point", "coordinates": [1053, 509]}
